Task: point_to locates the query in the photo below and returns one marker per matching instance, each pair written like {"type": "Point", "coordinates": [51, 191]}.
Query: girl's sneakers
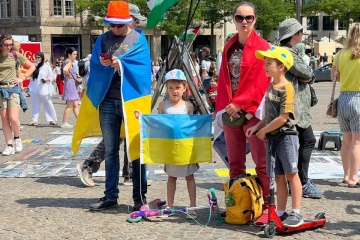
{"type": "Point", "coordinates": [8, 151]}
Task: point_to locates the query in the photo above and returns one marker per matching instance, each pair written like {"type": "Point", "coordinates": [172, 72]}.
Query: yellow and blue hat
{"type": "Point", "coordinates": [279, 53]}
{"type": "Point", "coordinates": [175, 74]}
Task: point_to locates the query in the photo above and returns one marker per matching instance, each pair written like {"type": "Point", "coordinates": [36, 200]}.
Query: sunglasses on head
{"type": "Point", "coordinates": [117, 25]}
{"type": "Point", "coordinates": [248, 18]}
{"type": "Point", "coordinates": [8, 45]}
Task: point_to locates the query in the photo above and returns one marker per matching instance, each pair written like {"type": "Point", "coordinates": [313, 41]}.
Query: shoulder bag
{"type": "Point", "coordinates": [332, 107]}
{"type": "Point", "coordinates": [233, 121]}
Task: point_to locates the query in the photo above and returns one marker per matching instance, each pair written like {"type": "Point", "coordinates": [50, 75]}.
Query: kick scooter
{"type": "Point", "coordinates": [153, 209]}
{"type": "Point", "coordinates": [274, 223]}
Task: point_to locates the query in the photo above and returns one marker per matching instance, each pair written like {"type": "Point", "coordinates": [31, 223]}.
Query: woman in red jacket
{"type": "Point", "coordinates": [242, 84]}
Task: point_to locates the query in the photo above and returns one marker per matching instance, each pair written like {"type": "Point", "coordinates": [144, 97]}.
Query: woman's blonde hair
{"type": "Point", "coordinates": [353, 41]}
{"type": "Point", "coordinates": [16, 46]}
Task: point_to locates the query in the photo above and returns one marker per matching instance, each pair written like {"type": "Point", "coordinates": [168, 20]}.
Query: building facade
{"type": "Point", "coordinates": [55, 24]}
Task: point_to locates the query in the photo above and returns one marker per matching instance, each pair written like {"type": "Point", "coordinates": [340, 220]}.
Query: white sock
{"type": "Point", "coordinates": [296, 211]}
{"type": "Point", "coordinates": [280, 212]}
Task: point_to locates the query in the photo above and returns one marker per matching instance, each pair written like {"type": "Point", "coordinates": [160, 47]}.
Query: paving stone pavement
{"type": "Point", "coordinates": [57, 207]}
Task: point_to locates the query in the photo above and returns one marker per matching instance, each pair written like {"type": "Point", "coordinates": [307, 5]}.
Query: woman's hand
{"type": "Point", "coordinates": [233, 110]}
{"type": "Point", "coordinates": [17, 80]}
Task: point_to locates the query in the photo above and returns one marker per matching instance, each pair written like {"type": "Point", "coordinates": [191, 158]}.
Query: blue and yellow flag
{"type": "Point", "coordinates": [177, 139]}
{"type": "Point", "coordinates": [135, 67]}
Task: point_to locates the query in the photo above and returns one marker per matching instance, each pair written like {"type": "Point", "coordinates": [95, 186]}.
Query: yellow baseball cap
{"type": "Point", "coordinates": [279, 53]}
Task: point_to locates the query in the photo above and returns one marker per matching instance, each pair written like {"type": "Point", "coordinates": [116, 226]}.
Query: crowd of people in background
{"type": "Point", "coordinates": [315, 61]}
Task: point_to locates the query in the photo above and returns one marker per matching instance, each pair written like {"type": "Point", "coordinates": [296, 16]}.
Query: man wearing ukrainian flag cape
{"type": "Point", "coordinates": [116, 88]}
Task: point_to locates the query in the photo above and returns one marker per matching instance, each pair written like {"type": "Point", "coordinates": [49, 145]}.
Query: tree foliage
{"type": "Point", "coordinates": [176, 18]}
{"type": "Point", "coordinates": [270, 13]}
{"type": "Point", "coordinates": [338, 9]}
{"type": "Point", "coordinates": [212, 12]}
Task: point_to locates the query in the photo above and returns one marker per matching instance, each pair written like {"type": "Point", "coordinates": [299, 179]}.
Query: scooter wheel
{"type": "Point", "coordinates": [320, 215]}
{"type": "Point", "coordinates": [270, 230]}
{"type": "Point", "coordinates": [131, 218]}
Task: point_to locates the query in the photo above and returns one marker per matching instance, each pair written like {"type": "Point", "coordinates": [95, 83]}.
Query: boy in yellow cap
{"type": "Point", "coordinates": [281, 115]}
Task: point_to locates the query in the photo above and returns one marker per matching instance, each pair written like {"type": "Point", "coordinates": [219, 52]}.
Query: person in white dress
{"type": "Point", "coordinates": [41, 89]}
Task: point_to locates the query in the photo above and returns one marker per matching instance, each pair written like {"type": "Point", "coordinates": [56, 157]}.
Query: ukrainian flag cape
{"type": "Point", "coordinates": [135, 67]}
{"type": "Point", "coordinates": [177, 139]}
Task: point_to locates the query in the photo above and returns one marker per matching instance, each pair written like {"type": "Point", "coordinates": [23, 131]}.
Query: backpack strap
{"type": "Point", "coordinates": [16, 58]}
{"type": "Point", "coordinates": [255, 195]}
{"type": "Point", "coordinates": [17, 64]}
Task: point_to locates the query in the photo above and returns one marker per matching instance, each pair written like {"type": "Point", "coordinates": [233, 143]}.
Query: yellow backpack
{"type": "Point", "coordinates": [243, 200]}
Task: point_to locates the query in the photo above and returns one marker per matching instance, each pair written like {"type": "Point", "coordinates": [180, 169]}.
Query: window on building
{"type": "Point", "coordinates": [4, 8]}
{"type": "Point", "coordinates": [25, 8]}
{"type": "Point", "coordinates": [69, 8]}
{"type": "Point", "coordinates": [341, 25]}
{"type": "Point", "coordinates": [328, 23]}
{"type": "Point", "coordinates": [58, 8]}
{"type": "Point", "coordinates": [313, 23]}
{"type": "Point", "coordinates": [32, 8]}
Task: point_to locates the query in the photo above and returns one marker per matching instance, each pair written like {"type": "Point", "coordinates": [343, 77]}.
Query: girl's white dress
{"type": "Point", "coordinates": [179, 170]}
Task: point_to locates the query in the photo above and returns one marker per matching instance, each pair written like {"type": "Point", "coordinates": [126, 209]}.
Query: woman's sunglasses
{"type": "Point", "coordinates": [7, 45]}
{"type": "Point", "coordinates": [248, 18]}
{"type": "Point", "coordinates": [117, 25]}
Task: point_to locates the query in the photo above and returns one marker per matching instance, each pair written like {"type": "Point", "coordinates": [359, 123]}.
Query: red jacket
{"type": "Point", "coordinates": [253, 80]}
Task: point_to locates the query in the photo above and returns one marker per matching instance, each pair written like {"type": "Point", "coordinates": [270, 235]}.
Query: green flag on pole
{"type": "Point", "coordinates": [191, 33]}
{"type": "Point", "coordinates": [157, 12]}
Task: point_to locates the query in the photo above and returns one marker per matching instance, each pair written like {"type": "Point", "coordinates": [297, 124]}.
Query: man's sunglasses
{"type": "Point", "coordinates": [117, 25]}
{"type": "Point", "coordinates": [248, 18]}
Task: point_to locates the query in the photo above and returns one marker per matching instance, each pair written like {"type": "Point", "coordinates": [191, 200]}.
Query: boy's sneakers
{"type": "Point", "coordinates": [310, 191]}
{"type": "Point", "coordinates": [18, 145]}
{"type": "Point", "coordinates": [293, 220]}
{"type": "Point", "coordinates": [85, 175]}
{"type": "Point", "coordinates": [284, 216]}
{"type": "Point", "coordinates": [103, 204]}
{"type": "Point", "coordinates": [263, 219]}
{"type": "Point", "coordinates": [8, 151]}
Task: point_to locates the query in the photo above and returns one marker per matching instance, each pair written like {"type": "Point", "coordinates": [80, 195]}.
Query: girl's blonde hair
{"type": "Point", "coordinates": [184, 96]}
{"type": "Point", "coordinates": [353, 42]}
{"type": "Point", "coordinates": [16, 46]}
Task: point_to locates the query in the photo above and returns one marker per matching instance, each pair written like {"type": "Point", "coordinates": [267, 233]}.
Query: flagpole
{"type": "Point", "coordinates": [189, 45]}
{"type": "Point", "coordinates": [190, 17]}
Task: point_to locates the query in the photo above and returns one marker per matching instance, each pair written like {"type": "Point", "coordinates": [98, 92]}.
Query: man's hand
{"type": "Point", "coordinates": [105, 62]}
{"type": "Point", "coordinates": [137, 114]}
{"type": "Point", "coordinates": [115, 64]}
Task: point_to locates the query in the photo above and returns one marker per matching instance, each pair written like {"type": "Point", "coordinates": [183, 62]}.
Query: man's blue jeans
{"type": "Point", "coordinates": [111, 116]}
{"type": "Point", "coordinates": [139, 179]}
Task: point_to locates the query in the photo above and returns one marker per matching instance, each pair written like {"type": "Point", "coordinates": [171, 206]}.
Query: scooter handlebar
{"type": "Point", "coordinates": [213, 195]}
